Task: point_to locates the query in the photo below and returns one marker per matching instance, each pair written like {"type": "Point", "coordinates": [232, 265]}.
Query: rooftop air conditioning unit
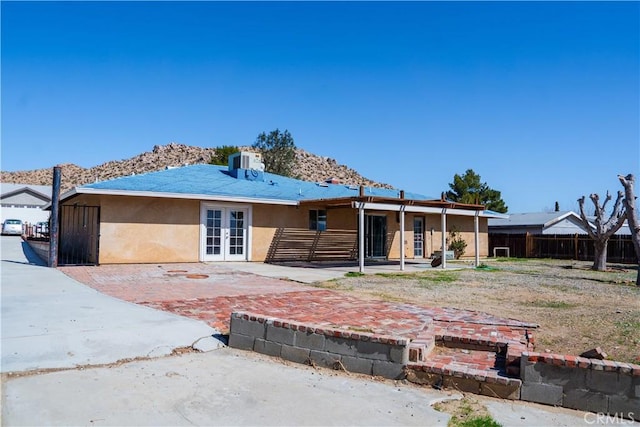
{"type": "Point", "coordinates": [244, 160]}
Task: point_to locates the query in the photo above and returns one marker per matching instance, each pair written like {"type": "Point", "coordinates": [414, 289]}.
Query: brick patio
{"type": "Point", "coordinates": [211, 292]}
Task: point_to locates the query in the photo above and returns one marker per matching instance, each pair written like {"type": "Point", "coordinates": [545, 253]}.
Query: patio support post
{"type": "Point", "coordinates": [402, 238]}
{"type": "Point", "coordinates": [361, 236]}
{"type": "Point", "coordinates": [476, 232]}
{"type": "Point", "coordinates": [443, 220]}
{"type": "Point", "coordinates": [55, 218]}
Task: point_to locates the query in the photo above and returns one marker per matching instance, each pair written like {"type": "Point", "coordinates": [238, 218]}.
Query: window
{"type": "Point", "coordinates": [318, 219]}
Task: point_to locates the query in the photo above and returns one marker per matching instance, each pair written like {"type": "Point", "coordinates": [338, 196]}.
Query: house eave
{"type": "Point", "coordinates": [191, 196]}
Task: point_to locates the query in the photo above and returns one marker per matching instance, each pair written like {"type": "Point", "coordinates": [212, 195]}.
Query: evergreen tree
{"type": "Point", "coordinates": [468, 188]}
{"type": "Point", "coordinates": [278, 152]}
{"type": "Point", "coordinates": [221, 156]}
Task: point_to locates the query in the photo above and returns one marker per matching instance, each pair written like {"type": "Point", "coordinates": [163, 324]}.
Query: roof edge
{"type": "Point", "coordinates": [194, 196]}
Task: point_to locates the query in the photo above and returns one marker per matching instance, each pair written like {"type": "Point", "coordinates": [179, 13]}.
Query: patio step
{"type": "Point", "coordinates": [475, 373]}
{"type": "Point", "coordinates": [421, 347]}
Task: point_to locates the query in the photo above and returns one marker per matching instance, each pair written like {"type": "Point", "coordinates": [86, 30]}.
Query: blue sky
{"type": "Point", "coordinates": [541, 99]}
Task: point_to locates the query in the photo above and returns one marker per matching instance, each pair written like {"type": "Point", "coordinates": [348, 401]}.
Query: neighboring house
{"type": "Point", "coordinates": [24, 202]}
{"type": "Point", "coordinates": [538, 223]}
{"type": "Point", "coordinates": [547, 223]}
{"type": "Point", "coordinates": [240, 213]}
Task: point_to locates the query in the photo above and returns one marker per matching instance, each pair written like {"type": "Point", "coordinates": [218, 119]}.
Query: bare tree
{"type": "Point", "coordinates": [603, 229]}
{"type": "Point", "coordinates": [632, 218]}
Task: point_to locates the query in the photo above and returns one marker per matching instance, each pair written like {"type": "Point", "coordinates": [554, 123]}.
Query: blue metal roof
{"type": "Point", "coordinates": [211, 181]}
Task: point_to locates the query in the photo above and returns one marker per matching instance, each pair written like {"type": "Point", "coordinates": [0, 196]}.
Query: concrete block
{"type": "Point", "coordinates": [468, 385]}
{"type": "Point", "coordinates": [373, 350]}
{"type": "Point", "coordinates": [358, 364]}
{"type": "Point", "coordinates": [295, 354]}
{"type": "Point", "coordinates": [247, 327]}
{"type": "Point", "coordinates": [399, 354]}
{"type": "Point", "coordinates": [635, 387]}
{"type": "Point", "coordinates": [309, 340]}
{"type": "Point", "coordinates": [392, 371]}
{"type": "Point", "coordinates": [568, 378]}
{"type": "Point", "coordinates": [324, 359]}
{"type": "Point", "coordinates": [269, 348]}
{"type": "Point", "coordinates": [280, 335]}
{"type": "Point", "coordinates": [585, 400]}
{"type": "Point", "coordinates": [541, 393]}
{"type": "Point", "coordinates": [528, 371]}
{"type": "Point", "coordinates": [341, 346]}
{"type": "Point", "coordinates": [501, 391]}
{"type": "Point", "coordinates": [629, 408]}
{"type": "Point", "coordinates": [243, 342]}
{"type": "Point", "coordinates": [611, 383]}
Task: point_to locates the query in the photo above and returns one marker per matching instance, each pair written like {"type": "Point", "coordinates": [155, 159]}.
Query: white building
{"type": "Point", "coordinates": [550, 223]}
{"type": "Point", "coordinates": [24, 202]}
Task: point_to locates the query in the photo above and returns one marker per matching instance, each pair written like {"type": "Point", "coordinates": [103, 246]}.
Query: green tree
{"type": "Point", "coordinates": [221, 156]}
{"type": "Point", "coordinates": [469, 188]}
{"type": "Point", "coordinates": [278, 152]}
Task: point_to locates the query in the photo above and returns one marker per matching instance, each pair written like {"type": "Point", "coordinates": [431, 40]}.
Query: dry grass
{"type": "Point", "coordinates": [576, 308]}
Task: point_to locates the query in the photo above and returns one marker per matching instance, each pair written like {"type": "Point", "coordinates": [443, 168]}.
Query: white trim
{"type": "Point", "coordinates": [426, 209]}
{"type": "Point", "coordinates": [201, 197]}
{"type": "Point", "coordinates": [204, 205]}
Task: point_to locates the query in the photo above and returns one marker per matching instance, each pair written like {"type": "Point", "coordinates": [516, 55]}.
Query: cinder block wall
{"type": "Point", "coordinates": [593, 385]}
{"type": "Point", "coordinates": [40, 248]}
{"type": "Point", "coordinates": [353, 351]}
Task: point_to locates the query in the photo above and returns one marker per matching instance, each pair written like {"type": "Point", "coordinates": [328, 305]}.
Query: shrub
{"type": "Point", "coordinates": [456, 243]}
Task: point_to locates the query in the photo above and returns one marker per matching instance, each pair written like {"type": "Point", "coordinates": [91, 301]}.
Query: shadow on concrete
{"type": "Point", "coordinates": [32, 257]}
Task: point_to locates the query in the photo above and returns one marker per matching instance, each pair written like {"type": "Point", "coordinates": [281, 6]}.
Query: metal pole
{"type": "Point", "coordinates": [402, 238]}
{"type": "Point", "coordinates": [476, 232]}
{"type": "Point", "coordinates": [443, 219]}
{"type": "Point", "coordinates": [361, 236]}
{"type": "Point", "coordinates": [55, 209]}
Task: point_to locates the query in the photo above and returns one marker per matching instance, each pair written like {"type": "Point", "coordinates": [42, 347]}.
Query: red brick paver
{"type": "Point", "coordinates": [211, 292]}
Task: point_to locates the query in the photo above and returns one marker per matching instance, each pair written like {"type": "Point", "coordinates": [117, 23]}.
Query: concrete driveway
{"type": "Point", "coordinates": [52, 321]}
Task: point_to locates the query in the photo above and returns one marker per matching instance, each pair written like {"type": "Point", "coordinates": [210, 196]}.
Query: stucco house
{"type": "Point", "coordinates": [24, 202]}
{"type": "Point", "coordinates": [202, 213]}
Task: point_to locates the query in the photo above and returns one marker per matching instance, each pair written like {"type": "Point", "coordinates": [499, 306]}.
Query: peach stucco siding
{"type": "Point", "coordinates": [162, 230]}
{"type": "Point", "coordinates": [146, 230]}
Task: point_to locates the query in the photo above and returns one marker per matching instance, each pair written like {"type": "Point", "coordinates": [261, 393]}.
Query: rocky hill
{"type": "Point", "coordinates": [308, 166]}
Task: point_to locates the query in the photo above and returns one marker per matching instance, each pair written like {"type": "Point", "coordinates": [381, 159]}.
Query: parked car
{"type": "Point", "coordinates": [42, 228]}
{"type": "Point", "coordinates": [12, 226]}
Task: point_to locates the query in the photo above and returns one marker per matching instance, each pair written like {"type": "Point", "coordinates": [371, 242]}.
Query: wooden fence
{"type": "Point", "coordinates": [295, 244]}
{"type": "Point", "coordinates": [562, 246]}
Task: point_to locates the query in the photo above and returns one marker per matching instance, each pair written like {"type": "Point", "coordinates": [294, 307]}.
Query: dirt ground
{"type": "Point", "coordinates": [576, 308]}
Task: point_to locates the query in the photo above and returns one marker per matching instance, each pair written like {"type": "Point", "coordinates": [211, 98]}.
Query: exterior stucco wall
{"type": "Point", "coordinates": [267, 219]}
{"type": "Point", "coordinates": [433, 239]}
{"type": "Point", "coordinates": [146, 230]}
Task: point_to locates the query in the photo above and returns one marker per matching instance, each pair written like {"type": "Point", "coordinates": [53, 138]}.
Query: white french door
{"type": "Point", "coordinates": [418, 237]}
{"type": "Point", "coordinates": [224, 233]}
